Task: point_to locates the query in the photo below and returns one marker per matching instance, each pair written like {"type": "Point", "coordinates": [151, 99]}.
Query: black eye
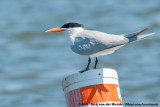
{"type": "Point", "coordinates": [71, 26]}
{"type": "Point", "coordinates": [66, 26]}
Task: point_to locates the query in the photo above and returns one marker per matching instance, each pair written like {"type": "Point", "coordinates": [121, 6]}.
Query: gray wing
{"type": "Point", "coordinates": [88, 46]}
{"type": "Point", "coordinates": [93, 41]}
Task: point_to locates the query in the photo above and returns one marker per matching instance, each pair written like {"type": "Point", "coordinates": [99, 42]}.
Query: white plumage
{"type": "Point", "coordinates": [94, 43]}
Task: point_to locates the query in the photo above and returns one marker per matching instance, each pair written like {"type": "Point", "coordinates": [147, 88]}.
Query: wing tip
{"type": "Point", "coordinates": [143, 30]}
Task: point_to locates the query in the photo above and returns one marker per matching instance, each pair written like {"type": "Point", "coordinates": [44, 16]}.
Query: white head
{"type": "Point", "coordinates": [69, 27]}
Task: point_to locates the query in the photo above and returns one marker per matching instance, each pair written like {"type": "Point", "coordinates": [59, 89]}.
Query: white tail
{"type": "Point", "coordinates": [145, 35]}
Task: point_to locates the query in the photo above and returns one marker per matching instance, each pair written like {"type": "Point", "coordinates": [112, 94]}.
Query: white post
{"type": "Point", "coordinates": [91, 88]}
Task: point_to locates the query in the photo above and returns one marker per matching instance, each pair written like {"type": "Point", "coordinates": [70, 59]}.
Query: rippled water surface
{"type": "Point", "coordinates": [33, 63]}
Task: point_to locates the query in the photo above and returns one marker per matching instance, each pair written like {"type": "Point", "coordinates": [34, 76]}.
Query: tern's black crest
{"type": "Point", "coordinates": [71, 25]}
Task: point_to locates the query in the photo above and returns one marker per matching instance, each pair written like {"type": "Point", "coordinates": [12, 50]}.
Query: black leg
{"type": "Point", "coordinates": [89, 61]}
{"type": "Point", "coordinates": [96, 63]}
{"type": "Point", "coordinates": [87, 68]}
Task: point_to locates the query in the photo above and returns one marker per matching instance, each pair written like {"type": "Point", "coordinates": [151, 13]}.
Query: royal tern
{"type": "Point", "coordinates": [94, 43]}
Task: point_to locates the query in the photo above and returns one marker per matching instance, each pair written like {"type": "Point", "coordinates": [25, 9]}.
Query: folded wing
{"type": "Point", "coordinates": [92, 42]}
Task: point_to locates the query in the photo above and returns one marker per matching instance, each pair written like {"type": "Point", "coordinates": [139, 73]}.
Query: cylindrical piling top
{"type": "Point", "coordinates": [95, 76]}
{"type": "Point", "coordinates": [97, 86]}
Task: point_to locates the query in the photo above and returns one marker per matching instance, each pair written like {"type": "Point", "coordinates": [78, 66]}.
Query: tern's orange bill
{"type": "Point", "coordinates": [55, 30]}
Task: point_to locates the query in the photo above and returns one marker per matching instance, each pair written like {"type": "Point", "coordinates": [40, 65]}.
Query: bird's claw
{"type": "Point", "coordinates": [83, 70]}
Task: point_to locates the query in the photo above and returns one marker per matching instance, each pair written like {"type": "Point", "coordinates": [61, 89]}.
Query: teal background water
{"type": "Point", "coordinates": [33, 63]}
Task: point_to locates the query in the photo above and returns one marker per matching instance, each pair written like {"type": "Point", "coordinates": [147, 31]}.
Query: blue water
{"type": "Point", "coordinates": [33, 63]}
